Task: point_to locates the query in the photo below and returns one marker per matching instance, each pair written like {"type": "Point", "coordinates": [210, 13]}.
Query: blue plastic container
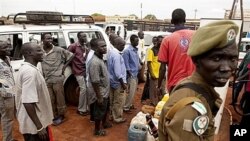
{"type": "Point", "coordinates": [137, 132]}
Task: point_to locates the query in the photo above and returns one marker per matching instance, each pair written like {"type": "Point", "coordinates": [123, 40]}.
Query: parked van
{"type": "Point", "coordinates": [28, 27]}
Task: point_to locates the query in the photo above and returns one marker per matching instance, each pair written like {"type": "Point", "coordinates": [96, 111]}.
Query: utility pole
{"type": "Point", "coordinates": [195, 11]}
{"type": "Point", "coordinates": [141, 11]}
{"type": "Point", "coordinates": [233, 9]}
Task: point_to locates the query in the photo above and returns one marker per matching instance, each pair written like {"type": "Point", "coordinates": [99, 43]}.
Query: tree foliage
{"type": "Point", "coordinates": [136, 17]}
{"type": "Point", "coordinates": [150, 17]}
{"type": "Point", "coordinates": [97, 14]}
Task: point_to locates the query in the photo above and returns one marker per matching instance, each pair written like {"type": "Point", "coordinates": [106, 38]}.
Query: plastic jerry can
{"type": "Point", "coordinates": [137, 132]}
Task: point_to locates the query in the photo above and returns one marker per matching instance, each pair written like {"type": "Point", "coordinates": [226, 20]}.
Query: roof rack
{"type": "Point", "coordinates": [44, 17]}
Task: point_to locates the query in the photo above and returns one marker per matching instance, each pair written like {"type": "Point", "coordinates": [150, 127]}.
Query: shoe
{"type": "Point", "coordinates": [144, 102]}
{"type": "Point", "coordinates": [132, 107]}
{"type": "Point", "coordinates": [127, 111]}
{"type": "Point", "coordinates": [82, 113]}
{"type": "Point", "coordinates": [121, 121]}
{"type": "Point", "coordinates": [100, 133]}
{"type": "Point", "coordinates": [92, 120]}
{"type": "Point", "coordinates": [152, 104]}
{"type": "Point", "coordinates": [111, 118]}
{"type": "Point", "coordinates": [58, 121]}
{"type": "Point", "coordinates": [107, 125]}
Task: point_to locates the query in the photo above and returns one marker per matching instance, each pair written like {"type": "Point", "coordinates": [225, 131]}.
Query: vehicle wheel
{"type": "Point", "coordinates": [71, 91]}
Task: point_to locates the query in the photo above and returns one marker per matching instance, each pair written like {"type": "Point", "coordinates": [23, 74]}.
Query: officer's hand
{"type": "Point", "coordinates": [43, 135]}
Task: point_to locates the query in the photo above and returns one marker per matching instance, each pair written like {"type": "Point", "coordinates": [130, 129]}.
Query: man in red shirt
{"type": "Point", "coordinates": [173, 52]}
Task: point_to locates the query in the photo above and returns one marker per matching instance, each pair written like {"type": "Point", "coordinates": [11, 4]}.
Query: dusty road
{"type": "Point", "coordinates": [78, 128]}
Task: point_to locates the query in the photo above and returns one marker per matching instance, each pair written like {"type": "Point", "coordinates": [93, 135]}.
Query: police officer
{"type": "Point", "coordinates": [189, 113]}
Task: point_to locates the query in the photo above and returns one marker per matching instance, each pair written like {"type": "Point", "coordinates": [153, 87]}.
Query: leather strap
{"type": "Point", "coordinates": [199, 89]}
{"type": "Point", "coordinates": [179, 105]}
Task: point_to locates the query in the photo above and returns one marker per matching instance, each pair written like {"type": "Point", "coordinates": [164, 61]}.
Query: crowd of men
{"type": "Point", "coordinates": [196, 61]}
{"type": "Point", "coordinates": [38, 89]}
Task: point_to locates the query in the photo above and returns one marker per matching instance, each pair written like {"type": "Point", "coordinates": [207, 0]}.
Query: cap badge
{"type": "Point", "coordinates": [231, 34]}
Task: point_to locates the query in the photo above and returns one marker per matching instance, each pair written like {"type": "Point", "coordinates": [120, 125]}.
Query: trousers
{"type": "Point", "coordinates": [56, 92]}
{"type": "Point", "coordinates": [117, 99]}
{"type": "Point", "coordinates": [83, 105]}
{"type": "Point", "coordinates": [132, 86]}
{"type": "Point", "coordinates": [7, 117]}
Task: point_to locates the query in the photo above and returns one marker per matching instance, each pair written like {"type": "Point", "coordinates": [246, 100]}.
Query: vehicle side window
{"type": "Point", "coordinates": [110, 29]}
{"type": "Point", "coordinates": [241, 49]}
{"type": "Point", "coordinates": [243, 45]}
{"type": "Point", "coordinates": [90, 35]}
{"type": "Point", "coordinates": [16, 41]}
{"type": "Point", "coordinates": [58, 38]}
{"type": "Point", "coordinates": [147, 39]}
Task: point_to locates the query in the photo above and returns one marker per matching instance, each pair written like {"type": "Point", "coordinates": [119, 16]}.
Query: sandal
{"type": "Point", "coordinates": [132, 107]}
{"type": "Point", "coordinates": [121, 121]}
{"type": "Point", "coordinates": [107, 125]}
{"type": "Point", "coordinates": [100, 133]}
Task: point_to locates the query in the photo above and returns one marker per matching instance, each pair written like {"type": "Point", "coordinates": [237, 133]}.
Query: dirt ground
{"type": "Point", "coordinates": [78, 128]}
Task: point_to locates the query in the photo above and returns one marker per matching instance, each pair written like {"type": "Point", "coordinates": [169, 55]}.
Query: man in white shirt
{"type": "Point", "coordinates": [142, 56]}
{"type": "Point", "coordinates": [34, 110]}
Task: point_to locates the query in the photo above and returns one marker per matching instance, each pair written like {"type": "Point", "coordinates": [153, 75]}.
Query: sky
{"type": "Point", "coordinates": [162, 9]}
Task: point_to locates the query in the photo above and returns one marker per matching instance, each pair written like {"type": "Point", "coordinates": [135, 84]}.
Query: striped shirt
{"type": "Point", "coordinates": [53, 63]}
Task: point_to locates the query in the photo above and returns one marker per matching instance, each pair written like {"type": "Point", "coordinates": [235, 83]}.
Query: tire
{"type": "Point", "coordinates": [71, 91]}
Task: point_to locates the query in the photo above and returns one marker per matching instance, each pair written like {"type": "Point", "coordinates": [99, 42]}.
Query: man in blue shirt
{"type": "Point", "coordinates": [132, 64]}
{"type": "Point", "coordinates": [117, 75]}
